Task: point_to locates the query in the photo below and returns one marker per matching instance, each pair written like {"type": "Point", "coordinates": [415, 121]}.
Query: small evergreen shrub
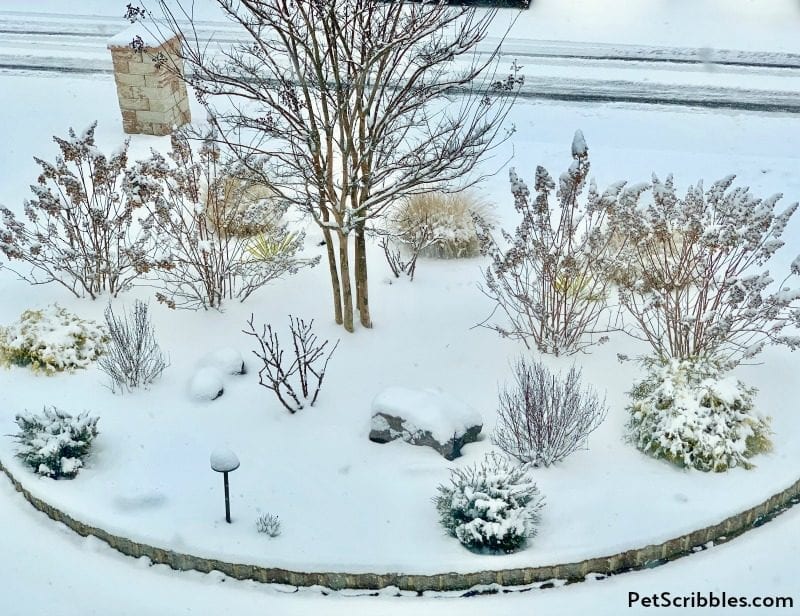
{"type": "Point", "coordinates": [492, 506]}
{"type": "Point", "coordinates": [268, 524]}
{"type": "Point", "coordinates": [687, 412]}
{"type": "Point", "coordinates": [445, 220]}
{"type": "Point", "coordinates": [51, 340]}
{"type": "Point", "coordinates": [54, 443]}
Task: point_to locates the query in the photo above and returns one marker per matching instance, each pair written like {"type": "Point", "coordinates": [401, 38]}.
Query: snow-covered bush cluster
{"type": "Point", "coordinates": [54, 443]}
{"type": "Point", "coordinates": [440, 225]}
{"type": "Point", "coordinates": [52, 340]}
{"type": "Point", "coordinates": [492, 506]}
{"type": "Point", "coordinates": [196, 224]}
{"type": "Point", "coordinates": [268, 524]}
{"type": "Point", "coordinates": [692, 272]}
{"type": "Point", "coordinates": [687, 412]}
{"type": "Point", "coordinates": [132, 358]}
{"type": "Point", "coordinates": [80, 229]}
{"type": "Point", "coordinates": [543, 417]}
{"type": "Point", "coordinates": [192, 214]}
{"type": "Point", "coordinates": [544, 280]}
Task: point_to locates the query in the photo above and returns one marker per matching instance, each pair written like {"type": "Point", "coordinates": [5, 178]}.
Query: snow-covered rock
{"type": "Point", "coordinates": [227, 360]}
{"type": "Point", "coordinates": [427, 417]}
{"type": "Point", "coordinates": [207, 383]}
{"type": "Point", "coordinates": [224, 460]}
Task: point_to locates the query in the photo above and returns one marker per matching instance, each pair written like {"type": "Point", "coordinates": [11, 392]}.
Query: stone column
{"type": "Point", "coordinates": [152, 101]}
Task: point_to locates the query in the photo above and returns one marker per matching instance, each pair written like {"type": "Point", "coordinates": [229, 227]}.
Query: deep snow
{"type": "Point", "coordinates": [347, 503]}
{"type": "Point", "coordinates": [150, 477]}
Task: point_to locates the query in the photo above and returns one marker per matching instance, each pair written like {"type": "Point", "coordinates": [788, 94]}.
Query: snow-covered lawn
{"type": "Point", "coordinates": [346, 503]}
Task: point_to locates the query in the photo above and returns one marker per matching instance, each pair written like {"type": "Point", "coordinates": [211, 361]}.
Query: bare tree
{"type": "Point", "coordinates": [296, 382]}
{"type": "Point", "coordinates": [543, 417]}
{"type": "Point", "coordinates": [345, 107]}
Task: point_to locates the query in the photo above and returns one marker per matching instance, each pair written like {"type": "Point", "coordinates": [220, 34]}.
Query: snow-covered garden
{"type": "Point", "coordinates": [673, 418]}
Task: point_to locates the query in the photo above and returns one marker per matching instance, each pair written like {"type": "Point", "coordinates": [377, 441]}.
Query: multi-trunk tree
{"type": "Point", "coordinates": [345, 107]}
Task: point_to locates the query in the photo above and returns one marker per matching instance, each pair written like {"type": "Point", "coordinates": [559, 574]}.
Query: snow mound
{"type": "Point", "coordinates": [425, 410]}
{"type": "Point", "coordinates": [227, 360]}
{"type": "Point", "coordinates": [207, 384]}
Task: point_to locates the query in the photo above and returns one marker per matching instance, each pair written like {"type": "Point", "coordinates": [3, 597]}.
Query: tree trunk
{"type": "Point", "coordinates": [362, 290]}
{"type": "Point", "coordinates": [347, 293]}
{"type": "Point", "coordinates": [334, 271]}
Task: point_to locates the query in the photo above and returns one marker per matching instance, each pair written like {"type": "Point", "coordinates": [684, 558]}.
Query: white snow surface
{"type": "Point", "coordinates": [224, 460]}
{"type": "Point", "coordinates": [156, 442]}
{"type": "Point", "coordinates": [148, 475]}
{"type": "Point", "coordinates": [146, 31]}
{"type": "Point", "coordinates": [227, 359]}
{"type": "Point", "coordinates": [431, 410]}
{"type": "Point", "coordinates": [206, 383]}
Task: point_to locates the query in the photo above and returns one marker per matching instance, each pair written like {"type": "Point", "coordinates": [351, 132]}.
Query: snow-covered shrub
{"type": "Point", "coordinates": [492, 506]}
{"type": "Point", "coordinates": [54, 443]}
{"type": "Point", "coordinates": [687, 412]}
{"type": "Point", "coordinates": [692, 272]}
{"type": "Point", "coordinates": [80, 229]}
{"type": "Point", "coordinates": [207, 383]}
{"type": "Point", "coordinates": [52, 340]}
{"type": "Point", "coordinates": [542, 417]}
{"type": "Point", "coordinates": [546, 280]}
{"type": "Point", "coordinates": [227, 360]}
{"type": "Point", "coordinates": [268, 524]}
{"type": "Point", "coordinates": [199, 263]}
{"type": "Point", "coordinates": [132, 358]}
{"type": "Point", "coordinates": [440, 225]}
{"type": "Point", "coordinates": [298, 381]}
{"type": "Point", "coordinates": [242, 205]}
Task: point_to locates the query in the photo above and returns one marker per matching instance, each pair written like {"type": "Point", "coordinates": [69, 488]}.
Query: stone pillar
{"type": "Point", "coordinates": [152, 101]}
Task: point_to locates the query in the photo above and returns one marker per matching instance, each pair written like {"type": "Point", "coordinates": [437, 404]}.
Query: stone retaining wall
{"type": "Point", "coordinates": [645, 557]}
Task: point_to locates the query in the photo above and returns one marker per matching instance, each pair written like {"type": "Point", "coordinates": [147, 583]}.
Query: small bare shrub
{"type": "Point", "coordinates": [80, 230]}
{"type": "Point", "coordinates": [546, 282]}
{"type": "Point", "coordinates": [268, 524]}
{"type": "Point", "coordinates": [298, 381]}
{"type": "Point", "coordinates": [542, 418]}
{"type": "Point", "coordinates": [133, 358]}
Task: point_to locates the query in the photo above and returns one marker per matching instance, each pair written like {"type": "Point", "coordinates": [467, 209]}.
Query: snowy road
{"type": "Point", "coordinates": [558, 70]}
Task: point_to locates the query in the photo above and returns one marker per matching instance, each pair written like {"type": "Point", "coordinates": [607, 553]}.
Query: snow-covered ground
{"type": "Point", "coordinates": [46, 569]}
{"type": "Point", "coordinates": [149, 478]}
{"type": "Point", "coordinates": [349, 504]}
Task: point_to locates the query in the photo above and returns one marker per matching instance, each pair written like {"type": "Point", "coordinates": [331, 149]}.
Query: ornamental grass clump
{"type": "Point", "coordinates": [686, 412]}
{"type": "Point", "coordinates": [51, 340]}
{"type": "Point", "coordinates": [54, 443]}
{"type": "Point", "coordinates": [492, 506]}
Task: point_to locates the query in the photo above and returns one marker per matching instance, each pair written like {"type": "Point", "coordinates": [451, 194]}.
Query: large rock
{"type": "Point", "coordinates": [426, 417]}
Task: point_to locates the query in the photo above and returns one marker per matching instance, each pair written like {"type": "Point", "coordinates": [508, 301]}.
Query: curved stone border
{"type": "Point", "coordinates": [641, 558]}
